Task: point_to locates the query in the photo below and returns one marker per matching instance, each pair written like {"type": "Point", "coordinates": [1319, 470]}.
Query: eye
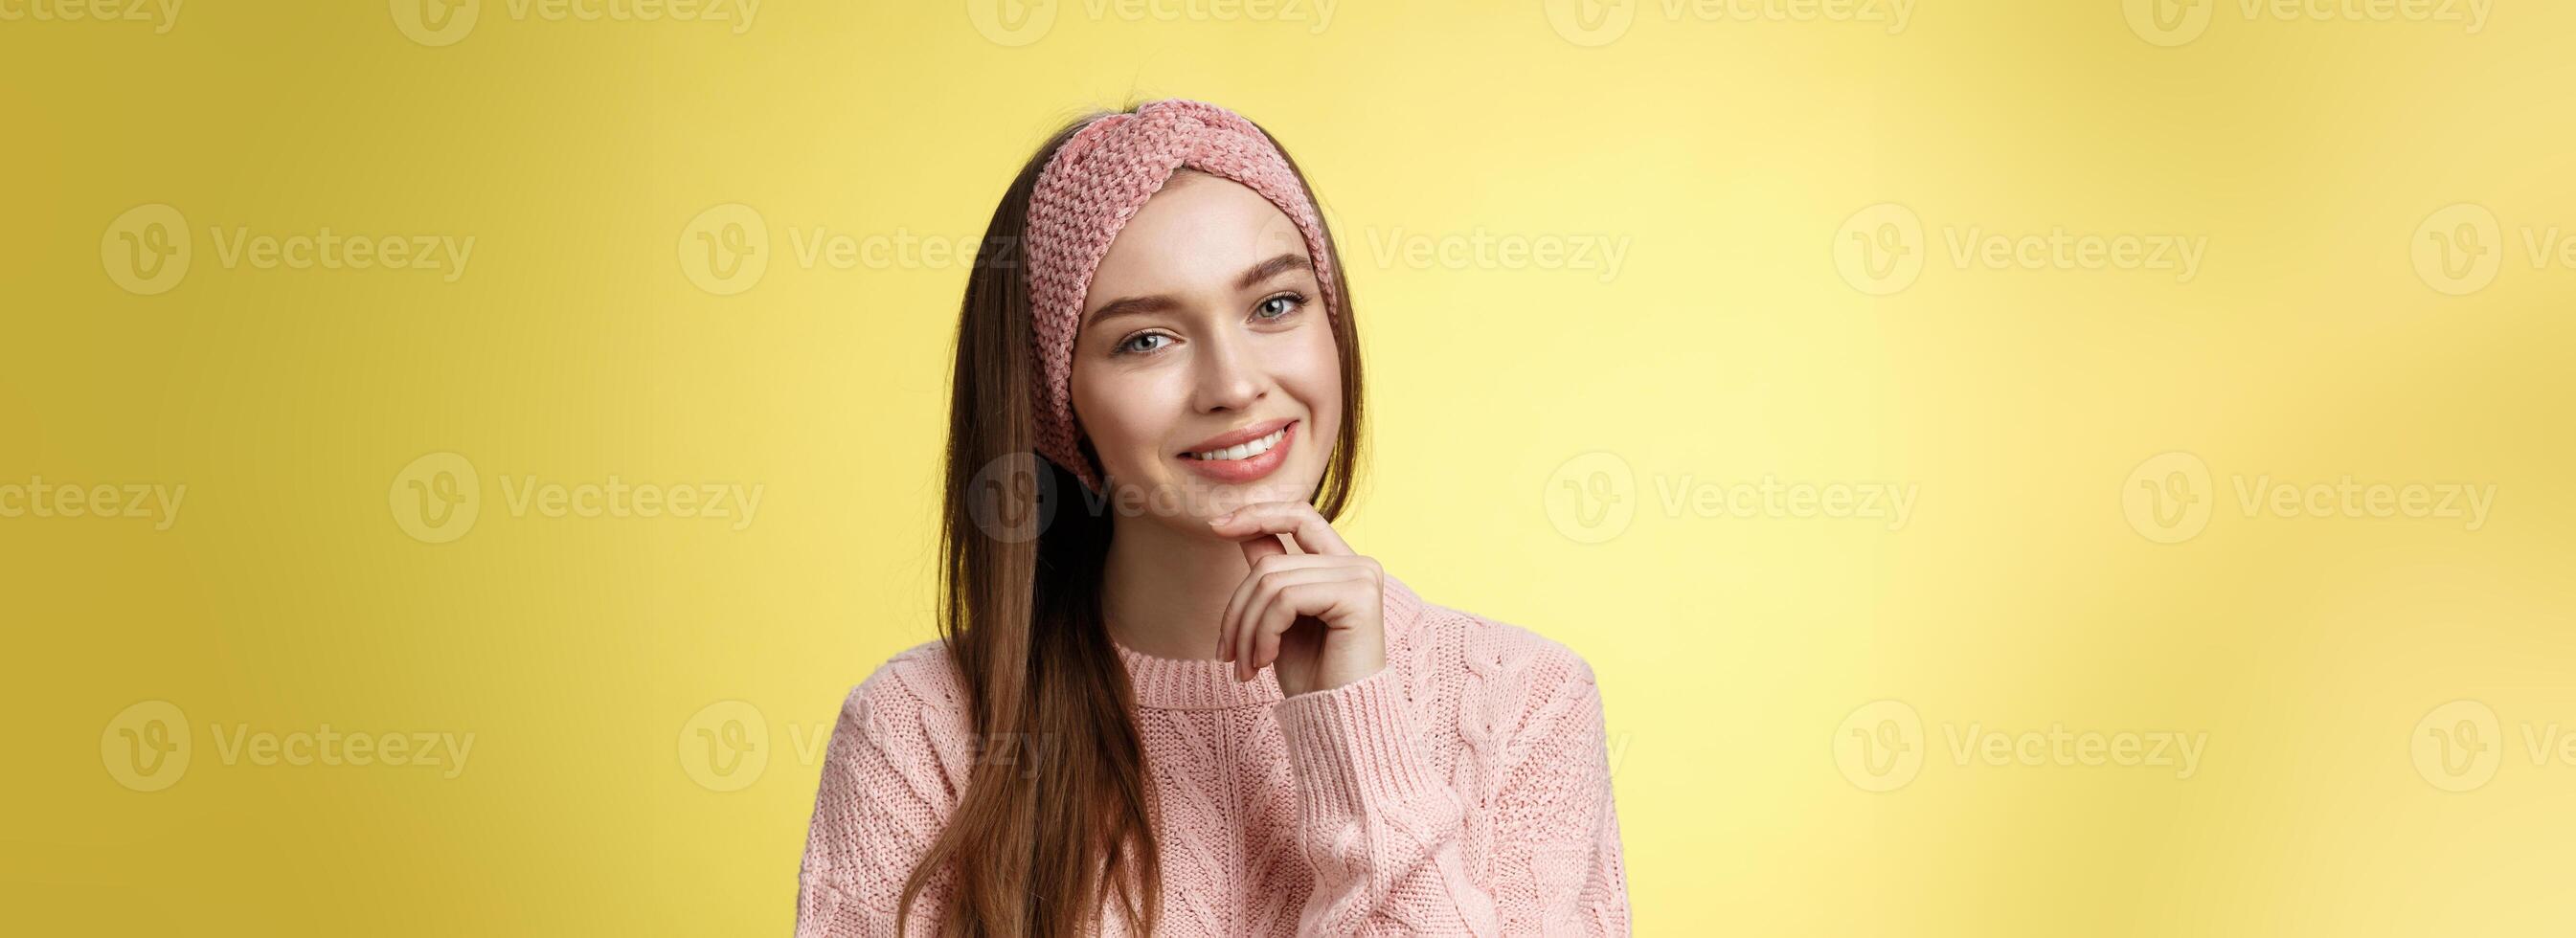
{"type": "Point", "coordinates": [1292, 302]}
{"type": "Point", "coordinates": [1128, 346]}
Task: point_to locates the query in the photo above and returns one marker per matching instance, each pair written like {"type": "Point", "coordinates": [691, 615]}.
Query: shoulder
{"type": "Point", "coordinates": [1451, 647]}
{"type": "Point", "coordinates": [916, 699]}
{"type": "Point", "coordinates": [890, 778]}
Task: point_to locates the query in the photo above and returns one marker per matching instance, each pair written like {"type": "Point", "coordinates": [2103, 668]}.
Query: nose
{"type": "Point", "coordinates": [1230, 373]}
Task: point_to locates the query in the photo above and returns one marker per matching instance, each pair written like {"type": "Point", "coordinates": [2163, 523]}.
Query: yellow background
{"type": "Point", "coordinates": [1725, 151]}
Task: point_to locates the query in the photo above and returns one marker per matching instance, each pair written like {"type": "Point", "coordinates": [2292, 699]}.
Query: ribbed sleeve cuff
{"type": "Point", "coordinates": [1355, 750]}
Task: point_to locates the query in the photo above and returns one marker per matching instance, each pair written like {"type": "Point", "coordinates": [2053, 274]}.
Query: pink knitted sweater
{"type": "Point", "coordinates": [1463, 790]}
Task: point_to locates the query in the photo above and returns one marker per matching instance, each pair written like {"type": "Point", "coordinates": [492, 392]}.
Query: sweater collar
{"type": "Point", "coordinates": [1208, 684]}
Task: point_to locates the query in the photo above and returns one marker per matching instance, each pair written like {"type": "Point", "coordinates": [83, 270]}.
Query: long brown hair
{"type": "Point", "coordinates": [1057, 818]}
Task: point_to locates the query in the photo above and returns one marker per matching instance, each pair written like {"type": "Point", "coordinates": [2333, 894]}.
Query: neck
{"type": "Point", "coordinates": [1162, 590]}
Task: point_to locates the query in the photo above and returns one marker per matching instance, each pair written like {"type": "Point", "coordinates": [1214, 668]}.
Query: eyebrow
{"type": "Point", "coordinates": [1252, 277]}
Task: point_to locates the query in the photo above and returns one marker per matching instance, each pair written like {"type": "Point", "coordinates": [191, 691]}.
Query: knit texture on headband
{"type": "Point", "coordinates": [1093, 184]}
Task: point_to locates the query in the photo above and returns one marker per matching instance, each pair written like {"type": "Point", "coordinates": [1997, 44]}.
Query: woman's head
{"type": "Point", "coordinates": [1156, 214]}
{"type": "Point", "coordinates": [1176, 203]}
{"type": "Point", "coordinates": [1205, 334]}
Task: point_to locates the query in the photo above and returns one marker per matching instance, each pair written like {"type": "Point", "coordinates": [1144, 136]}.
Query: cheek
{"type": "Point", "coordinates": [1125, 415]}
{"type": "Point", "coordinates": [1314, 373]}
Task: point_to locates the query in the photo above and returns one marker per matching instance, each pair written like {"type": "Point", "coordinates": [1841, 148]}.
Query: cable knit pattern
{"type": "Point", "coordinates": [1088, 190]}
{"type": "Point", "coordinates": [1463, 790]}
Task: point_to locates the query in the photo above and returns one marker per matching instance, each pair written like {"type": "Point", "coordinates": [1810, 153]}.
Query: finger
{"type": "Point", "coordinates": [1239, 603]}
{"type": "Point", "coordinates": [1284, 596]}
{"type": "Point", "coordinates": [1265, 588]}
{"type": "Point", "coordinates": [1300, 521]}
{"type": "Point", "coordinates": [1318, 594]}
{"type": "Point", "coordinates": [1254, 549]}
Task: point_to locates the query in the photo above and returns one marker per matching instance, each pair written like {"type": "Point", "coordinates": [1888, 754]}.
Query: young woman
{"type": "Point", "coordinates": [1170, 699]}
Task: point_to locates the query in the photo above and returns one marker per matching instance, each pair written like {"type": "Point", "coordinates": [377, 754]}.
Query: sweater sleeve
{"type": "Point", "coordinates": [1385, 834]}
{"type": "Point", "coordinates": [881, 801]}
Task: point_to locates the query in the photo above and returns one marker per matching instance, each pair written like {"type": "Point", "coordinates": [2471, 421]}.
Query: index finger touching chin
{"type": "Point", "coordinates": [1304, 526]}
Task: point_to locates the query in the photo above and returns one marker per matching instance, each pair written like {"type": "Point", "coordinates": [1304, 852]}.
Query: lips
{"type": "Point", "coordinates": [1237, 437]}
{"type": "Point", "coordinates": [1250, 466]}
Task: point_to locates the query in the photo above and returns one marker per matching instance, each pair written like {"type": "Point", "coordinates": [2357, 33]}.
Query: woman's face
{"type": "Point", "coordinates": [1205, 323]}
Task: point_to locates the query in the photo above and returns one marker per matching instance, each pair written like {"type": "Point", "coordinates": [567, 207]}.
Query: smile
{"type": "Point", "coordinates": [1244, 450]}
{"type": "Point", "coordinates": [1245, 461]}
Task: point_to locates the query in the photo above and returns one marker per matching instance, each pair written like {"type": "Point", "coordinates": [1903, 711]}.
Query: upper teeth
{"type": "Point", "coordinates": [1245, 450]}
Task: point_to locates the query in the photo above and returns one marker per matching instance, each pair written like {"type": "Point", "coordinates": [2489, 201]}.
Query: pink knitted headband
{"type": "Point", "coordinates": [1089, 189]}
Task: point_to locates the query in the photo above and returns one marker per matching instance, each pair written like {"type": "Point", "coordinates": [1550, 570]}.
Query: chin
{"type": "Point", "coordinates": [1284, 487]}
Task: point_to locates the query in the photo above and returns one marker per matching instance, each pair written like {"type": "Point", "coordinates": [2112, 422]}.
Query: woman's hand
{"type": "Point", "coordinates": [1319, 615]}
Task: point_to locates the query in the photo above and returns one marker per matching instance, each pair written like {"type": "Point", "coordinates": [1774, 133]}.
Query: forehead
{"type": "Point", "coordinates": [1197, 234]}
